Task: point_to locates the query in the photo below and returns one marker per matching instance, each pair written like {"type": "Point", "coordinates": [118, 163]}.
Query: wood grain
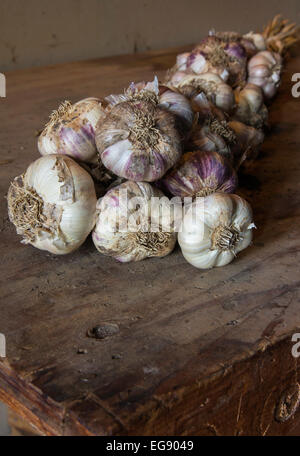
{"type": "Point", "coordinates": [198, 352]}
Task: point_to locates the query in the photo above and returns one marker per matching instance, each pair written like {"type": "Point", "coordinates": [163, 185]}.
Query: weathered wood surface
{"type": "Point", "coordinates": [198, 352]}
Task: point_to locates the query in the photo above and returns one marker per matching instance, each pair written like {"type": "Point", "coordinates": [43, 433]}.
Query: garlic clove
{"type": "Point", "coordinates": [181, 60]}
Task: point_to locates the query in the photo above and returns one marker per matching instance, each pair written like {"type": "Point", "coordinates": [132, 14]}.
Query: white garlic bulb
{"type": "Point", "coordinates": [71, 130]}
{"type": "Point", "coordinates": [250, 107]}
{"type": "Point", "coordinates": [134, 221]}
{"type": "Point", "coordinates": [212, 85]}
{"type": "Point", "coordinates": [214, 229]}
{"type": "Point", "coordinates": [264, 70]}
{"type": "Point", "coordinates": [53, 204]}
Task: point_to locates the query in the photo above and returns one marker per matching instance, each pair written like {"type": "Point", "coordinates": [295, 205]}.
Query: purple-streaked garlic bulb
{"type": "Point", "coordinates": [215, 89]}
{"type": "Point", "coordinates": [134, 221]}
{"type": "Point", "coordinates": [264, 70]}
{"type": "Point", "coordinates": [214, 134]}
{"type": "Point", "coordinates": [232, 139]}
{"type": "Point", "coordinates": [251, 42]}
{"type": "Point", "coordinates": [167, 98]}
{"type": "Point", "coordinates": [250, 107]}
{"type": "Point", "coordinates": [71, 130]}
{"type": "Point", "coordinates": [138, 139]}
{"type": "Point", "coordinates": [227, 59]}
{"type": "Point", "coordinates": [200, 173]}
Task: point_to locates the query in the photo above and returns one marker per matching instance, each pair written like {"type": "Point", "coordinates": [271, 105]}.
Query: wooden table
{"type": "Point", "coordinates": [197, 352]}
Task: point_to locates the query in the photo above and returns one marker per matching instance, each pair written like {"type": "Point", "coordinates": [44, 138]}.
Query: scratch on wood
{"type": "Point", "coordinates": [266, 430]}
{"type": "Point", "coordinates": [239, 408]}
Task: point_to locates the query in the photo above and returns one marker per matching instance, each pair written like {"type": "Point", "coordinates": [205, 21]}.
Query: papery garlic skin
{"type": "Point", "coordinates": [200, 173]}
{"type": "Point", "coordinates": [264, 70]}
{"type": "Point", "coordinates": [215, 229]}
{"type": "Point", "coordinates": [53, 204]}
{"type": "Point", "coordinates": [247, 143]}
{"type": "Point", "coordinates": [177, 104]}
{"type": "Point", "coordinates": [138, 139]}
{"type": "Point", "coordinates": [257, 39]}
{"type": "Point", "coordinates": [128, 228]}
{"type": "Point", "coordinates": [250, 107]}
{"type": "Point", "coordinates": [71, 130]}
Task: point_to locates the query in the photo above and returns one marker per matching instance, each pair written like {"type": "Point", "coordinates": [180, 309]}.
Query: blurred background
{"type": "Point", "coordinates": [39, 32]}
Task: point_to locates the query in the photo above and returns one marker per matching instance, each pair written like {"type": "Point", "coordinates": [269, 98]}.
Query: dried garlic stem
{"type": "Point", "coordinates": [26, 209]}
{"type": "Point", "coordinates": [220, 127]}
{"type": "Point", "coordinates": [144, 131]}
{"type": "Point", "coordinates": [153, 242]}
{"type": "Point", "coordinates": [225, 238]}
{"type": "Point", "coordinates": [63, 111]}
{"type": "Point", "coordinates": [280, 34]}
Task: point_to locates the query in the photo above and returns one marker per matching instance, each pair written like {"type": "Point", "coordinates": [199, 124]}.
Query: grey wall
{"type": "Point", "coordinates": [39, 32]}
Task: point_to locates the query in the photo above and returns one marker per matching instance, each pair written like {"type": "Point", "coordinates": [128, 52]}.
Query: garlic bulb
{"type": "Point", "coordinates": [215, 89]}
{"type": "Point", "coordinates": [247, 142]}
{"type": "Point", "coordinates": [214, 134]}
{"type": "Point", "coordinates": [138, 139]}
{"type": "Point", "coordinates": [250, 107]}
{"type": "Point", "coordinates": [214, 229]}
{"type": "Point", "coordinates": [230, 138]}
{"type": "Point", "coordinates": [264, 70]}
{"type": "Point", "coordinates": [200, 173]}
{"type": "Point", "coordinates": [278, 36]}
{"type": "Point", "coordinates": [53, 204]}
{"type": "Point", "coordinates": [227, 59]}
{"type": "Point", "coordinates": [134, 221]}
{"type": "Point", "coordinates": [71, 130]}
